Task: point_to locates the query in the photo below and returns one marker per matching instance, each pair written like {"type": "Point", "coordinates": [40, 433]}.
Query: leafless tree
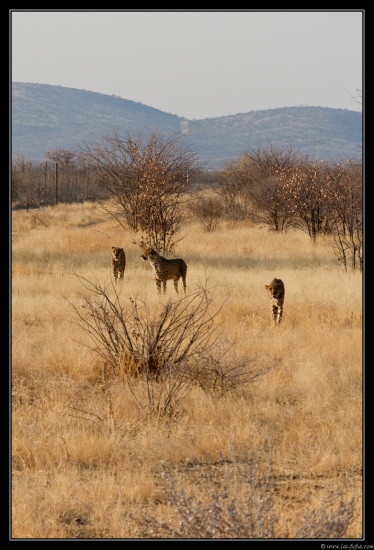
{"type": "Point", "coordinates": [146, 178]}
{"type": "Point", "coordinates": [63, 157]}
{"type": "Point", "coordinates": [345, 198]}
{"type": "Point", "coordinates": [249, 186]}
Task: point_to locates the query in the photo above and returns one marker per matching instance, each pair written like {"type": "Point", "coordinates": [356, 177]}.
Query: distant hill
{"type": "Point", "coordinates": [48, 117]}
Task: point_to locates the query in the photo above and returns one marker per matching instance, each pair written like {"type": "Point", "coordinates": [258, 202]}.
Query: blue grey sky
{"type": "Point", "coordinates": [199, 63]}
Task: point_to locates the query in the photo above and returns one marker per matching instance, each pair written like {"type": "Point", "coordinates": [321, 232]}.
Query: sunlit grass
{"type": "Point", "coordinates": [87, 455]}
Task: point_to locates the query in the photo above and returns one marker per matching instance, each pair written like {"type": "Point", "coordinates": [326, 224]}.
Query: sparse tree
{"type": "Point", "coordinates": [266, 193]}
{"type": "Point", "coordinates": [344, 196]}
{"type": "Point", "coordinates": [303, 189]}
{"type": "Point", "coordinates": [63, 157]}
{"type": "Point", "coordinates": [147, 179]}
{"type": "Point", "coordinates": [250, 186]}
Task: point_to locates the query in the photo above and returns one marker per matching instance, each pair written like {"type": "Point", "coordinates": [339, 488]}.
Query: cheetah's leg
{"type": "Point", "coordinates": [176, 285]}
{"type": "Point", "coordinates": [280, 313]}
{"type": "Point", "coordinates": [274, 312]}
{"type": "Point", "coordinates": [158, 284]}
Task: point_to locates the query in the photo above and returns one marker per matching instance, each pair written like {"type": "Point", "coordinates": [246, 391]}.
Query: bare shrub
{"type": "Point", "coordinates": [330, 520]}
{"type": "Point", "coordinates": [134, 336]}
{"type": "Point", "coordinates": [168, 348]}
{"type": "Point", "coordinates": [232, 501]}
{"type": "Point", "coordinates": [236, 497]}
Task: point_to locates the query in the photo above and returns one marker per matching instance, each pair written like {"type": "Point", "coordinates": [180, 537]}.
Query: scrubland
{"type": "Point", "coordinates": [278, 456]}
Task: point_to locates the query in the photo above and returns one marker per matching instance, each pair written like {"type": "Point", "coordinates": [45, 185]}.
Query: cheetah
{"type": "Point", "coordinates": [118, 263]}
{"type": "Point", "coordinates": [165, 270]}
{"type": "Point", "coordinates": [276, 291]}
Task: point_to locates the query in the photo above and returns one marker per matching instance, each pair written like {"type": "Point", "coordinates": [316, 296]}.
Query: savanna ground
{"type": "Point", "coordinates": [276, 456]}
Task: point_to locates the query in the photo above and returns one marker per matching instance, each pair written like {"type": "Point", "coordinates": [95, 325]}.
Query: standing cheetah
{"type": "Point", "coordinates": [165, 270]}
{"type": "Point", "coordinates": [118, 263]}
{"type": "Point", "coordinates": [276, 291]}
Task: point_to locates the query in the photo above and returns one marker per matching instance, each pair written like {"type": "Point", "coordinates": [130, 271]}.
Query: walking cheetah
{"type": "Point", "coordinates": [276, 291]}
{"type": "Point", "coordinates": [118, 263]}
{"type": "Point", "coordinates": [165, 270]}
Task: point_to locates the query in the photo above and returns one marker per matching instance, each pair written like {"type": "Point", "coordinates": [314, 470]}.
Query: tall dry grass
{"type": "Point", "coordinates": [280, 457]}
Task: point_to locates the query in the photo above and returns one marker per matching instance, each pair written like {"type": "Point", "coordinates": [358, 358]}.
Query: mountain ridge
{"type": "Point", "coordinates": [47, 117]}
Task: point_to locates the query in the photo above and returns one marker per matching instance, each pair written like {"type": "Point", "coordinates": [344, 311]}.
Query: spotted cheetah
{"type": "Point", "coordinates": [118, 263]}
{"type": "Point", "coordinates": [276, 291]}
{"type": "Point", "coordinates": [165, 270]}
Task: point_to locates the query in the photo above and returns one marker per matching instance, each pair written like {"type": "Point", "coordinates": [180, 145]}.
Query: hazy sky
{"type": "Point", "coordinates": [195, 64]}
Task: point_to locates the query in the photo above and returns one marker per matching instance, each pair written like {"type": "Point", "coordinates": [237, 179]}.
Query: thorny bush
{"type": "Point", "coordinates": [169, 346]}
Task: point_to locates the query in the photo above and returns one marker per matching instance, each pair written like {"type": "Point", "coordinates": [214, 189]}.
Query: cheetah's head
{"type": "Point", "coordinates": [148, 253]}
{"type": "Point", "coordinates": [116, 252]}
{"type": "Point", "coordinates": [275, 285]}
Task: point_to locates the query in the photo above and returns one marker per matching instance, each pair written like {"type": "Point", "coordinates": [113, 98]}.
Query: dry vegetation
{"type": "Point", "coordinates": [276, 456]}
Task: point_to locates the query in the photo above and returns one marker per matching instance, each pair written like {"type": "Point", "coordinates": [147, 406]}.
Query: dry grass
{"type": "Point", "coordinates": [280, 457]}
